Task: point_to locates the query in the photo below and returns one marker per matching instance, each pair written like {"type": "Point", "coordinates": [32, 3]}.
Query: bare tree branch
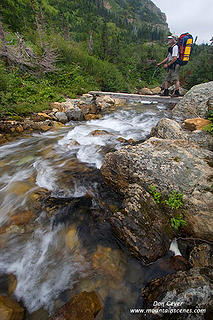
{"type": "Point", "coordinates": [24, 56]}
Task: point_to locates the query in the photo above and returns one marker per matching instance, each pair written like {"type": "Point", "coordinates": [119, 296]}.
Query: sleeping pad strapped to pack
{"type": "Point", "coordinates": [184, 43]}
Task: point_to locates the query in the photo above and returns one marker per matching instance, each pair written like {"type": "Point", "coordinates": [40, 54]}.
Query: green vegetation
{"type": "Point", "coordinates": [200, 67]}
{"type": "Point", "coordinates": [50, 50]}
{"type": "Point", "coordinates": [178, 222]}
{"type": "Point", "coordinates": [175, 202]}
{"type": "Point", "coordinates": [156, 195]}
{"type": "Point", "coordinates": [209, 127]}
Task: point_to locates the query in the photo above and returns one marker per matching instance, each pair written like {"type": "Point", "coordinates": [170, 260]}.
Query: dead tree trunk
{"type": "Point", "coordinates": [4, 50]}
{"type": "Point", "coordinates": [38, 25]}
{"type": "Point", "coordinates": [90, 49]}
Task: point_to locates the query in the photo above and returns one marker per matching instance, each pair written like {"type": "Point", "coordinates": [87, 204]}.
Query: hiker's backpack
{"type": "Point", "coordinates": [184, 43]}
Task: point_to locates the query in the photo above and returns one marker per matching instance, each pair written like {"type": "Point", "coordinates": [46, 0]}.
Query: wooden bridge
{"type": "Point", "coordinates": [138, 97]}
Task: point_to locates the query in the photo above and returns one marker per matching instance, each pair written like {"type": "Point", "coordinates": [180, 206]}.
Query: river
{"type": "Point", "coordinates": [62, 251]}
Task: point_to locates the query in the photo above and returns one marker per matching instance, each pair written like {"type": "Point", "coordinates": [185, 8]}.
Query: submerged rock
{"type": "Point", "coordinates": [10, 309]}
{"type": "Point", "coordinates": [8, 284]}
{"type": "Point", "coordinates": [84, 306]}
{"type": "Point", "coordinates": [18, 222]}
{"type": "Point", "coordinates": [96, 133]}
{"type": "Point", "coordinates": [108, 261]}
{"type": "Point", "coordinates": [71, 238]}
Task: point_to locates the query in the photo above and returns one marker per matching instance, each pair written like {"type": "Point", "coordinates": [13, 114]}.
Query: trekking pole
{"type": "Point", "coordinates": [194, 44]}
{"type": "Point", "coordinates": [153, 74]}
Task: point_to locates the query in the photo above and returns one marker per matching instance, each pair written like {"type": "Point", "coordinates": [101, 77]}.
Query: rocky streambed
{"type": "Point", "coordinates": [68, 228]}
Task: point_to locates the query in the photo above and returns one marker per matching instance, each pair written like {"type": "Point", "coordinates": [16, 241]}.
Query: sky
{"type": "Point", "coordinates": [193, 16]}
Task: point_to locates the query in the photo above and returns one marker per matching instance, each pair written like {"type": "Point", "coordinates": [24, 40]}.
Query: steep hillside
{"type": "Point", "coordinates": [55, 48]}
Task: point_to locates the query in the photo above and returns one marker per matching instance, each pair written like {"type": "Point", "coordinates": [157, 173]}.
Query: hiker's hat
{"type": "Point", "coordinates": [173, 36]}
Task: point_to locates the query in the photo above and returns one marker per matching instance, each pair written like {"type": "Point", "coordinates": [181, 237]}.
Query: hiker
{"type": "Point", "coordinates": [171, 66]}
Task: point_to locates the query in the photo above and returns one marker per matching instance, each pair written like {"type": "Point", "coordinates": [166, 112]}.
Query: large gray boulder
{"type": "Point", "coordinates": [61, 116]}
{"type": "Point", "coordinates": [75, 114]}
{"type": "Point", "coordinates": [170, 129]}
{"type": "Point", "coordinates": [195, 102]}
{"type": "Point", "coordinates": [170, 165]}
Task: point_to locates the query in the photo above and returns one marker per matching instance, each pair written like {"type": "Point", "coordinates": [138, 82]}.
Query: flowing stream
{"type": "Point", "coordinates": [59, 251]}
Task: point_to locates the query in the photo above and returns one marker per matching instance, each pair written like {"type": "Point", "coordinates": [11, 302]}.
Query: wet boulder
{"type": "Point", "coordinates": [71, 238]}
{"type": "Point", "coordinates": [168, 129]}
{"type": "Point", "coordinates": [8, 284]}
{"type": "Point", "coordinates": [97, 133]}
{"type": "Point", "coordinates": [84, 306]}
{"type": "Point", "coordinates": [201, 256]}
{"type": "Point", "coordinates": [87, 108]}
{"type": "Point", "coordinates": [61, 116]}
{"type": "Point", "coordinates": [10, 309]}
{"type": "Point", "coordinates": [18, 223]}
{"type": "Point", "coordinates": [75, 114]}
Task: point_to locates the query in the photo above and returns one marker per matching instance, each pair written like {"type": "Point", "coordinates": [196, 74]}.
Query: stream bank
{"type": "Point", "coordinates": [88, 107]}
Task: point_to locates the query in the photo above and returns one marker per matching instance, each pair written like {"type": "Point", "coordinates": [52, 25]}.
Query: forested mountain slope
{"type": "Point", "coordinates": [140, 19]}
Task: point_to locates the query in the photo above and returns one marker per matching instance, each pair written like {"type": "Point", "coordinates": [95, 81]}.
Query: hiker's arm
{"type": "Point", "coordinates": [165, 60]}
{"type": "Point", "coordinates": [171, 62]}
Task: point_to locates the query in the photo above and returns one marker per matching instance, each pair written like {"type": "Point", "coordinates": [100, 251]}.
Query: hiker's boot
{"type": "Point", "coordinates": [177, 93]}
{"type": "Point", "coordinates": [165, 93]}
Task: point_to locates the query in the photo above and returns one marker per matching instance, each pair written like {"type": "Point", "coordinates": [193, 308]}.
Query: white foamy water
{"type": "Point", "coordinates": [127, 123]}
{"type": "Point", "coordinates": [45, 175]}
{"type": "Point", "coordinates": [43, 267]}
{"type": "Point", "coordinates": [9, 201]}
{"type": "Point", "coordinates": [174, 248]}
